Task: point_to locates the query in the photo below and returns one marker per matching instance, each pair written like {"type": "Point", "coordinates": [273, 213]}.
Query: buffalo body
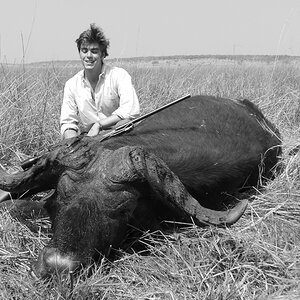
{"type": "Point", "coordinates": [184, 163]}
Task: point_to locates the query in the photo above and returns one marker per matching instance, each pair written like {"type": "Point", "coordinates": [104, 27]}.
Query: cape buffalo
{"type": "Point", "coordinates": [180, 164]}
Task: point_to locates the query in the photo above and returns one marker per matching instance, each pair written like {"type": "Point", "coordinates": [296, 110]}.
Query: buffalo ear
{"type": "Point", "coordinates": [25, 210]}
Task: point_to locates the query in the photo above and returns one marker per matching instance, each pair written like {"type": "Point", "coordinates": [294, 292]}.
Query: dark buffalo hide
{"type": "Point", "coordinates": [183, 164]}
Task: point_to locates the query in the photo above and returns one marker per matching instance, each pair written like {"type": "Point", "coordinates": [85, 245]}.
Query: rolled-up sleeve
{"type": "Point", "coordinates": [129, 107]}
{"type": "Point", "coordinates": [69, 111]}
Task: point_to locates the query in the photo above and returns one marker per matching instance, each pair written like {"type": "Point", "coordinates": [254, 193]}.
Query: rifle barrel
{"type": "Point", "coordinates": [159, 109]}
{"type": "Point", "coordinates": [129, 125]}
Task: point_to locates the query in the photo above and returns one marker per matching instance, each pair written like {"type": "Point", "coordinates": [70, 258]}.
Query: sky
{"type": "Point", "coordinates": [46, 30]}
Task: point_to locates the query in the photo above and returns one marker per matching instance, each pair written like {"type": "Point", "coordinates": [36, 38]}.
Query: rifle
{"type": "Point", "coordinates": [117, 131]}
{"type": "Point", "coordinates": [130, 125]}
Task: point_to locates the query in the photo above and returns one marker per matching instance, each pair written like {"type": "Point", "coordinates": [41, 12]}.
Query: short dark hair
{"type": "Point", "coordinates": [94, 35]}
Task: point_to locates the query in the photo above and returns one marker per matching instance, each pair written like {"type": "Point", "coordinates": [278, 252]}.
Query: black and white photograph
{"type": "Point", "coordinates": [150, 150]}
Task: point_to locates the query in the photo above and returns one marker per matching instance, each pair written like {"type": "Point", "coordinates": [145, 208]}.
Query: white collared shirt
{"type": "Point", "coordinates": [114, 95]}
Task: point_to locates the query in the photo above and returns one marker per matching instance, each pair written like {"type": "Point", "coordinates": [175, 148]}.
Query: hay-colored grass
{"type": "Point", "coordinates": [257, 258]}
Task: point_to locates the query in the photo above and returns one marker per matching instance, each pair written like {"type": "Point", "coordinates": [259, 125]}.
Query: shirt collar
{"type": "Point", "coordinates": [104, 70]}
{"type": "Point", "coordinates": [101, 75]}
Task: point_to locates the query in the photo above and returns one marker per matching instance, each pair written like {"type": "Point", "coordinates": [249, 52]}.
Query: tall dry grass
{"type": "Point", "coordinates": [257, 258]}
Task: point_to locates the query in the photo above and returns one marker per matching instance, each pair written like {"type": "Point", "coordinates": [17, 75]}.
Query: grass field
{"type": "Point", "coordinates": [257, 258]}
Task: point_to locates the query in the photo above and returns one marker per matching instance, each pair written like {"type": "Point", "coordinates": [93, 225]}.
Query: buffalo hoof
{"type": "Point", "coordinates": [51, 262]}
